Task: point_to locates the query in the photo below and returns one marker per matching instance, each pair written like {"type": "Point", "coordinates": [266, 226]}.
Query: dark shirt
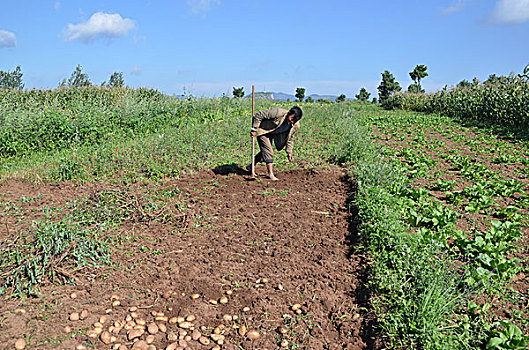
{"type": "Point", "coordinates": [285, 127]}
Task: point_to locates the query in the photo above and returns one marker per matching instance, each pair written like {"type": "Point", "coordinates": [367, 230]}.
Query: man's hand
{"type": "Point", "coordinates": [253, 133]}
{"type": "Point", "coordinates": [290, 157]}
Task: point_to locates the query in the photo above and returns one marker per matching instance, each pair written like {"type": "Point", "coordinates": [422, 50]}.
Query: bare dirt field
{"type": "Point", "coordinates": [223, 261]}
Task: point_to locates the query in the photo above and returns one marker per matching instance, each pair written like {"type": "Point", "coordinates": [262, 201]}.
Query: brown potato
{"type": "Point", "coordinates": [253, 334]}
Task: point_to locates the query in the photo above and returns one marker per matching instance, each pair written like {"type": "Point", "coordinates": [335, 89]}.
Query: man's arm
{"type": "Point", "coordinates": [258, 118]}
{"type": "Point", "coordinates": [290, 142]}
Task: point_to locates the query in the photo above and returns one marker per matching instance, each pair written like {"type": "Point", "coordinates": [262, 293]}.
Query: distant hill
{"type": "Point", "coordinates": [281, 96]}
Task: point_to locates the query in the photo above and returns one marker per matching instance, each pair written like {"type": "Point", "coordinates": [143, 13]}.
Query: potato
{"type": "Point", "coordinates": [253, 334]}
{"type": "Point", "coordinates": [20, 344]}
{"type": "Point", "coordinates": [172, 337]}
{"type": "Point", "coordinates": [135, 333]}
{"type": "Point", "coordinates": [196, 335]}
{"type": "Point", "coordinates": [204, 341]}
{"type": "Point", "coordinates": [223, 300]}
{"type": "Point", "coordinates": [153, 328]}
{"type": "Point", "coordinates": [296, 307]}
{"type": "Point", "coordinates": [140, 345]}
{"type": "Point", "coordinates": [74, 316]}
{"type": "Point", "coordinates": [106, 338]}
{"type": "Point", "coordinates": [185, 325]}
{"type": "Point", "coordinates": [172, 346]}
{"type": "Point", "coordinates": [242, 330]}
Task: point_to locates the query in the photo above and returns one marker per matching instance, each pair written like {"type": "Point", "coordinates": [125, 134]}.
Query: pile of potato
{"type": "Point", "coordinates": [140, 329]}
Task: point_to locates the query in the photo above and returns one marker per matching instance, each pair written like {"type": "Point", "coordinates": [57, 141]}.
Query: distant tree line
{"type": "Point", "coordinates": [13, 80]}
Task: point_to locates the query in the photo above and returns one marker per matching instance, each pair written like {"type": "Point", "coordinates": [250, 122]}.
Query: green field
{"type": "Point", "coordinates": [439, 206]}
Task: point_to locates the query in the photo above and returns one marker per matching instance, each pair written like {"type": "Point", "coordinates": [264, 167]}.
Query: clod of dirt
{"type": "Point", "coordinates": [20, 311]}
{"type": "Point", "coordinates": [20, 344]}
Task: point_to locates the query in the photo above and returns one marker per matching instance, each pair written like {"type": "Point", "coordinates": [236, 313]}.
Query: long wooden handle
{"type": "Point", "coordinates": [253, 138]}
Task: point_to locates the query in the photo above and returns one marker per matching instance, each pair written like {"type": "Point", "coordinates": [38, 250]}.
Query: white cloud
{"type": "Point", "coordinates": [136, 70]}
{"type": "Point", "coordinates": [201, 6]}
{"type": "Point", "coordinates": [510, 11]}
{"type": "Point", "coordinates": [7, 39]}
{"type": "Point", "coordinates": [455, 7]}
{"type": "Point", "coordinates": [100, 25]}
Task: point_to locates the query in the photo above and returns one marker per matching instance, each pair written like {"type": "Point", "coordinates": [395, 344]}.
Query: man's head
{"type": "Point", "coordinates": [294, 115]}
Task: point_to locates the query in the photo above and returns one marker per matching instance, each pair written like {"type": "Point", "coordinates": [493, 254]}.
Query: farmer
{"type": "Point", "coordinates": [277, 125]}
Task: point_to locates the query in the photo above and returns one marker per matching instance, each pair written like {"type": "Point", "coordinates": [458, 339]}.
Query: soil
{"type": "Point", "coordinates": [273, 244]}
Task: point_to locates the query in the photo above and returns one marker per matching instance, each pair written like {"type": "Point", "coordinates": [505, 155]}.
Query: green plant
{"type": "Point", "coordinates": [508, 336]}
{"type": "Point", "coordinates": [48, 251]}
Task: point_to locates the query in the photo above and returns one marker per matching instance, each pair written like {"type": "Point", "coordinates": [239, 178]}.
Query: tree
{"type": "Point", "coordinates": [309, 99]}
{"type": "Point", "coordinates": [363, 95]}
{"type": "Point", "coordinates": [77, 79]}
{"type": "Point", "coordinates": [12, 80]}
{"type": "Point", "coordinates": [116, 80]}
{"type": "Point", "coordinates": [416, 75]}
{"type": "Point", "coordinates": [300, 94]}
{"type": "Point", "coordinates": [414, 88]}
{"type": "Point", "coordinates": [238, 92]}
{"type": "Point", "coordinates": [388, 86]}
{"type": "Point", "coordinates": [374, 101]}
{"type": "Point", "coordinates": [340, 98]}
{"type": "Point", "coordinates": [463, 84]}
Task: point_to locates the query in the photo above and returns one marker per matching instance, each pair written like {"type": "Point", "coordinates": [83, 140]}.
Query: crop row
{"type": "Point", "coordinates": [443, 230]}
{"type": "Point", "coordinates": [504, 102]}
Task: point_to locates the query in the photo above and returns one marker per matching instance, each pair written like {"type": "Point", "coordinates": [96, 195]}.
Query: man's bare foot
{"type": "Point", "coordinates": [272, 177]}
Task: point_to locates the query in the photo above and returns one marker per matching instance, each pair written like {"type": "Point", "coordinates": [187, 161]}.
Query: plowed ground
{"type": "Point", "coordinates": [217, 231]}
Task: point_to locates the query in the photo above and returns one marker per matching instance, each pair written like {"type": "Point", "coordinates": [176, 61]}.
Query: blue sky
{"type": "Point", "coordinates": [206, 47]}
